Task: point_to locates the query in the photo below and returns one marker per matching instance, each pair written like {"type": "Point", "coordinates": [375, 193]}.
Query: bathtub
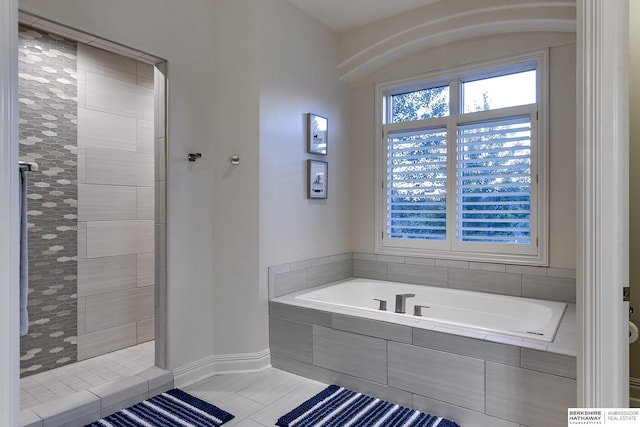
{"type": "Point", "coordinates": [473, 311]}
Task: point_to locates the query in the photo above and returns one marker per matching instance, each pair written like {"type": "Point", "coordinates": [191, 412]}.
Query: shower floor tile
{"type": "Point", "coordinates": [69, 379]}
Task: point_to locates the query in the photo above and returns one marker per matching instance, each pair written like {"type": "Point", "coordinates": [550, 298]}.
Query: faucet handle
{"type": "Point", "coordinates": [383, 304]}
{"type": "Point", "coordinates": [417, 309]}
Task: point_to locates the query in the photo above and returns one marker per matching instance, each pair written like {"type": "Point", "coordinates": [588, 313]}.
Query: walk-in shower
{"type": "Point", "coordinates": [87, 119]}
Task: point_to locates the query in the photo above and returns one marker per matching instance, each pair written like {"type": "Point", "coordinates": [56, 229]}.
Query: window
{"type": "Point", "coordinates": [462, 164]}
{"type": "Point", "coordinates": [417, 190]}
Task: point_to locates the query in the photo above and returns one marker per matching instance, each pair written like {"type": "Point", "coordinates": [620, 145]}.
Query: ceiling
{"type": "Point", "coordinates": [342, 15]}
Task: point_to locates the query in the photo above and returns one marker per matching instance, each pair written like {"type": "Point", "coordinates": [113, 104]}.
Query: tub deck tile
{"type": "Point", "coordinates": [364, 256]}
{"type": "Point", "coordinates": [286, 283]}
{"type": "Point", "coordinates": [444, 376]}
{"type": "Point", "coordinates": [552, 288]}
{"type": "Point", "coordinates": [528, 397]}
{"type": "Point", "coordinates": [299, 314]}
{"type": "Point", "coordinates": [535, 345]}
{"type": "Point", "coordinates": [290, 339]}
{"type": "Point", "coordinates": [562, 350]}
{"type": "Point", "coordinates": [372, 328]}
{"type": "Point", "coordinates": [459, 331]}
{"type": "Point", "coordinates": [327, 273]}
{"type": "Point", "coordinates": [370, 269]}
{"type": "Point", "coordinates": [505, 339]}
{"type": "Point", "coordinates": [501, 353]}
{"type": "Point", "coordinates": [418, 274]}
{"type": "Point", "coordinates": [486, 281]}
{"type": "Point", "coordinates": [550, 363]}
{"type": "Point", "coordinates": [362, 356]}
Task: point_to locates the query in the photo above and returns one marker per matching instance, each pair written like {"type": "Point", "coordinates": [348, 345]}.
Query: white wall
{"type": "Point", "coordinates": [237, 314]}
{"type": "Point", "coordinates": [561, 124]}
{"type": "Point", "coordinates": [562, 155]}
{"type": "Point", "coordinates": [280, 67]}
{"type": "Point", "coordinates": [299, 75]}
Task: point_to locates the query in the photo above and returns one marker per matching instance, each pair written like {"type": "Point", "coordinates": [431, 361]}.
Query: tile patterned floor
{"type": "Point", "coordinates": [256, 399]}
{"type": "Point", "coordinates": [60, 382]}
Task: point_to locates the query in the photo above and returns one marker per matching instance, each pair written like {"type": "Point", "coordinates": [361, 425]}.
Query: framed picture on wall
{"type": "Point", "coordinates": [318, 130]}
{"type": "Point", "coordinates": [317, 179]}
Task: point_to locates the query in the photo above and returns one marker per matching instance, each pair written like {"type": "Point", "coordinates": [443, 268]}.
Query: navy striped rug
{"type": "Point", "coordinates": [337, 406]}
{"type": "Point", "coordinates": [172, 408]}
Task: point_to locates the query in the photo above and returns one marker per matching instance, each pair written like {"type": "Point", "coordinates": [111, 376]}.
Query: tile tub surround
{"type": "Point", "coordinates": [555, 284]}
{"type": "Point", "coordinates": [506, 381]}
{"type": "Point", "coordinates": [470, 378]}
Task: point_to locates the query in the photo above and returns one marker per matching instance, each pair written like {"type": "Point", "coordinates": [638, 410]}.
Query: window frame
{"type": "Point", "coordinates": [534, 254]}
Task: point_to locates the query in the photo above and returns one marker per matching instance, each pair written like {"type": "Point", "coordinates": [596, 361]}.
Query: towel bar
{"type": "Point", "coordinates": [30, 166]}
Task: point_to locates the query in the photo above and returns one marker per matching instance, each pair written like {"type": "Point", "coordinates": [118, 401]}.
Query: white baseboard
{"type": "Point", "coordinates": [201, 369]}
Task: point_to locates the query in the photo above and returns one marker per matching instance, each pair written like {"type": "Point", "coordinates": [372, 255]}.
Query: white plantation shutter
{"type": "Point", "coordinates": [494, 181]}
{"type": "Point", "coordinates": [465, 180]}
{"type": "Point", "coordinates": [417, 184]}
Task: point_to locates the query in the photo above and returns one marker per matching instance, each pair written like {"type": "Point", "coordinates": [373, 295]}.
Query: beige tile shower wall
{"type": "Point", "coordinates": [115, 202]}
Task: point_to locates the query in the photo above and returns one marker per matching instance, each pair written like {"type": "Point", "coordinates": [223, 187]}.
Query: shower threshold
{"type": "Point", "coordinates": [61, 382]}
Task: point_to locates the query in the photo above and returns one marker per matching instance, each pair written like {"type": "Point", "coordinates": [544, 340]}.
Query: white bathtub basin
{"type": "Point", "coordinates": [483, 312]}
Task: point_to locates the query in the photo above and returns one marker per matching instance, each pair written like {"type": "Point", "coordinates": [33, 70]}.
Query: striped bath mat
{"type": "Point", "coordinates": [172, 408]}
{"type": "Point", "coordinates": [337, 406]}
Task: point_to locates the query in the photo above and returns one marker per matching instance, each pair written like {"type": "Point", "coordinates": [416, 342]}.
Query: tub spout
{"type": "Point", "coordinates": [401, 300]}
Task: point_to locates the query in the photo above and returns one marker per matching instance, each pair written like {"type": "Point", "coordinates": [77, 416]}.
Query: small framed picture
{"type": "Point", "coordinates": [318, 130]}
{"type": "Point", "coordinates": [317, 179]}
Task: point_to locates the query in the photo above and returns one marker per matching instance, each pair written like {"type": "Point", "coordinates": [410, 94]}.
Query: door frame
{"type": "Point", "coordinates": [602, 124]}
{"type": "Point", "coordinates": [9, 218]}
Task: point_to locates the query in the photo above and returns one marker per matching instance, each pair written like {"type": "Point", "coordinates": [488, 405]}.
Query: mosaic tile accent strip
{"type": "Point", "coordinates": [48, 135]}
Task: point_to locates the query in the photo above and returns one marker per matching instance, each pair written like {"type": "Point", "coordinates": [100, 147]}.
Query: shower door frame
{"type": "Point", "coordinates": [9, 218]}
{"type": "Point", "coordinates": [160, 157]}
